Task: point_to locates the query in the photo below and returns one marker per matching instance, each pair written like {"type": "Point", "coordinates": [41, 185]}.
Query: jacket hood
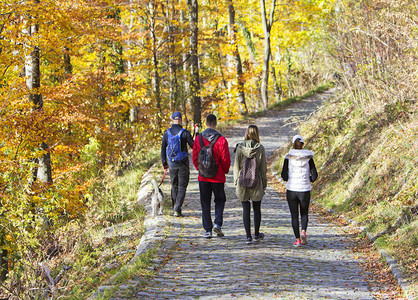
{"type": "Point", "coordinates": [249, 148]}
{"type": "Point", "coordinates": [299, 154]}
{"type": "Point", "coordinates": [209, 134]}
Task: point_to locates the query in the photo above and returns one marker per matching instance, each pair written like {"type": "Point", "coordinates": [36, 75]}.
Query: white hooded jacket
{"type": "Point", "coordinates": [299, 172]}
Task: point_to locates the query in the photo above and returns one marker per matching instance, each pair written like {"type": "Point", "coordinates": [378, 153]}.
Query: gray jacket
{"type": "Point", "coordinates": [250, 149]}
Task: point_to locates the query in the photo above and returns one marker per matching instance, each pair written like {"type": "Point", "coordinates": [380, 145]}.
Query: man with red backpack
{"type": "Point", "coordinates": [212, 159]}
{"type": "Point", "coordinates": [174, 156]}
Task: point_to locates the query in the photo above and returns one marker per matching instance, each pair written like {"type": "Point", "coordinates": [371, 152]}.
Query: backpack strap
{"type": "Point", "coordinates": [214, 140]}
{"type": "Point", "coordinates": [211, 143]}
{"type": "Point", "coordinates": [201, 141]}
{"type": "Point", "coordinates": [178, 134]}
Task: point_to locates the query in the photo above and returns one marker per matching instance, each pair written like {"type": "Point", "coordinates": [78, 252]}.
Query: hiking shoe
{"type": "Point", "coordinates": [297, 243]}
{"type": "Point", "coordinates": [178, 214]}
{"type": "Point", "coordinates": [249, 240]}
{"type": "Point", "coordinates": [258, 237]}
{"type": "Point", "coordinates": [303, 238]}
{"type": "Point", "coordinates": [208, 234]}
{"type": "Point", "coordinates": [217, 229]}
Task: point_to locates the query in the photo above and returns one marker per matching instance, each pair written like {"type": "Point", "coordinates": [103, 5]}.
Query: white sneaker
{"type": "Point", "coordinates": [217, 229]}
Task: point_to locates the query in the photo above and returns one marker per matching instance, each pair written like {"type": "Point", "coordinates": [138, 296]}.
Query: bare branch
{"type": "Point", "coordinates": [372, 35]}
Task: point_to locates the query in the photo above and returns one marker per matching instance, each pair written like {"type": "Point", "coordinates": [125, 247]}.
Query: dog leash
{"type": "Point", "coordinates": [162, 180]}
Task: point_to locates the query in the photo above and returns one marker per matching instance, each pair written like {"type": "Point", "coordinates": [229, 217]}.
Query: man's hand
{"type": "Point", "coordinates": [165, 167]}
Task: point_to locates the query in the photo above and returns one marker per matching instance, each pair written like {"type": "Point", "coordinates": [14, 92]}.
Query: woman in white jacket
{"type": "Point", "coordinates": [299, 171]}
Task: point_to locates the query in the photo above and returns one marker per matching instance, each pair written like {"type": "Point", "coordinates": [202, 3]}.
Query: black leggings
{"type": "Point", "coordinates": [246, 209]}
{"type": "Point", "coordinates": [296, 199]}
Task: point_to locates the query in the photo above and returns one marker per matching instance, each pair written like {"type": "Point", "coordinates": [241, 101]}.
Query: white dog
{"type": "Point", "coordinates": [157, 199]}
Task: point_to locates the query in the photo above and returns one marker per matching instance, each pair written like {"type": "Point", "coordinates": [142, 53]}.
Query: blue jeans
{"type": "Point", "coordinates": [206, 189]}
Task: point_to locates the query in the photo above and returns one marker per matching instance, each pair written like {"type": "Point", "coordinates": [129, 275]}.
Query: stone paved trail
{"type": "Point", "coordinates": [190, 266]}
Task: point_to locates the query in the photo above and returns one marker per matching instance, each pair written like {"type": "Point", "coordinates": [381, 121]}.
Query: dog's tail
{"type": "Point", "coordinates": [155, 185]}
{"type": "Point", "coordinates": [162, 194]}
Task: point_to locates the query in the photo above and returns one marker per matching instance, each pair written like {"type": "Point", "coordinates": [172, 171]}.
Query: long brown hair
{"type": "Point", "coordinates": [298, 144]}
{"type": "Point", "coordinates": [252, 133]}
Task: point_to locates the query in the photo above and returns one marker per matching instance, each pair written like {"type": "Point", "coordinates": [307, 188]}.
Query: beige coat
{"type": "Point", "coordinates": [250, 149]}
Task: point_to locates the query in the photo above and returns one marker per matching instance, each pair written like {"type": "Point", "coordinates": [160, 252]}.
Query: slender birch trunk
{"type": "Point", "coordinates": [237, 57]}
{"type": "Point", "coordinates": [156, 75]}
{"type": "Point", "coordinates": [194, 60]}
{"type": "Point", "coordinates": [267, 50]}
{"type": "Point", "coordinates": [252, 53]}
{"type": "Point", "coordinates": [277, 88]}
{"type": "Point", "coordinates": [172, 65]}
{"type": "Point", "coordinates": [186, 96]}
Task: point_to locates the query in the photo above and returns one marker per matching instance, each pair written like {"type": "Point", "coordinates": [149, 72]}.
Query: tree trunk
{"type": "Point", "coordinates": [221, 59]}
{"type": "Point", "coordinates": [277, 88]}
{"type": "Point", "coordinates": [68, 68]}
{"type": "Point", "coordinates": [4, 266]}
{"type": "Point", "coordinates": [156, 75]}
{"type": "Point", "coordinates": [267, 50]}
{"type": "Point", "coordinates": [237, 57]}
{"type": "Point", "coordinates": [33, 82]}
{"type": "Point", "coordinates": [289, 73]}
{"type": "Point", "coordinates": [252, 53]}
{"type": "Point", "coordinates": [186, 102]}
{"type": "Point", "coordinates": [172, 65]}
{"type": "Point", "coordinates": [133, 110]}
{"type": "Point", "coordinates": [194, 61]}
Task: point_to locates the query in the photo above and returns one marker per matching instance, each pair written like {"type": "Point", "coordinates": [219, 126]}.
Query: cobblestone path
{"type": "Point", "coordinates": [190, 266]}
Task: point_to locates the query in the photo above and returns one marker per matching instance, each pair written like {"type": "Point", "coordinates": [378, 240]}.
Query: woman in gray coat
{"type": "Point", "coordinates": [251, 148]}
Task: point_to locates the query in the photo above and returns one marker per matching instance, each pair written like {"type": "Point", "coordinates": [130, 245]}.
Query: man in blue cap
{"type": "Point", "coordinates": [174, 156]}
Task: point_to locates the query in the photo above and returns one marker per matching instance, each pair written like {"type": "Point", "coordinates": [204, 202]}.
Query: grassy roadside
{"type": "Point", "coordinates": [106, 239]}
{"type": "Point", "coordinates": [367, 165]}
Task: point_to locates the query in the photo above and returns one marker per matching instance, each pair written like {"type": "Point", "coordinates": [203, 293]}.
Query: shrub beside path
{"type": "Point", "coordinates": [189, 266]}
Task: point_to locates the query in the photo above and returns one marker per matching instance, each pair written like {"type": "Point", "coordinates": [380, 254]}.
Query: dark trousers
{"type": "Point", "coordinates": [179, 176]}
{"type": "Point", "coordinates": [296, 200]}
{"type": "Point", "coordinates": [206, 189]}
{"type": "Point", "coordinates": [246, 217]}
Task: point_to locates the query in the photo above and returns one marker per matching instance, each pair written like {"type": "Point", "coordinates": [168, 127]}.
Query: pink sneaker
{"type": "Point", "coordinates": [297, 243]}
{"type": "Point", "coordinates": [303, 238]}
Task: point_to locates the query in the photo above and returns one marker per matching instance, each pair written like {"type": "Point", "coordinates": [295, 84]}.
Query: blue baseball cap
{"type": "Point", "coordinates": [176, 115]}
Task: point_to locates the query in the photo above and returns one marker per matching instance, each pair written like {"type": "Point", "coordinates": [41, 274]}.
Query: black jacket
{"type": "Point", "coordinates": [185, 138]}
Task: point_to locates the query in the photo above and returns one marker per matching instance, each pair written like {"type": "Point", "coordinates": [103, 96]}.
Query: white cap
{"type": "Point", "coordinates": [298, 137]}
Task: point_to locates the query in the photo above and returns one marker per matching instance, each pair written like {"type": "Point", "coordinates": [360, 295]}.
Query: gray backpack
{"type": "Point", "coordinates": [206, 161]}
{"type": "Point", "coordinates": [249, 172]}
